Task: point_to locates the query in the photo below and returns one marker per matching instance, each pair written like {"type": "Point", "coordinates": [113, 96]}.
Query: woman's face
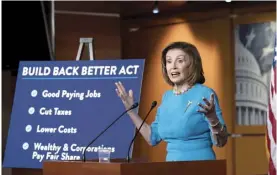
{"type": "Point", "coordinates": [177, 66]}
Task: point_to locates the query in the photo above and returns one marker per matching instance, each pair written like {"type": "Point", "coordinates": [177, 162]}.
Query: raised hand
{"type": "Point", "coordinates": [127, 98]}
{"type": "Point", "coordinates": [209, 108]}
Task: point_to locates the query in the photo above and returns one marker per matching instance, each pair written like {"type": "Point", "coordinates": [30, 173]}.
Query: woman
{"type": "Point", "coordinates": [189, 117]}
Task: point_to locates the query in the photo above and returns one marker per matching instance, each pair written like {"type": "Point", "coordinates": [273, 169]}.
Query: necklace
{"type": "Point", "coordinates": [179, 92]}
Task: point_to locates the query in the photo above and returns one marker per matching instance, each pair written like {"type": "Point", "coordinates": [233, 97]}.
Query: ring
{"type": "Point", "coordinates": [122, 95]}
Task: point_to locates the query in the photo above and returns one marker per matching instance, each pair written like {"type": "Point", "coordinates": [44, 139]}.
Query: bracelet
{"type": "Point", "coordinates": [215, 124]}
{"type": "Point", "coordinates": [222, 129]}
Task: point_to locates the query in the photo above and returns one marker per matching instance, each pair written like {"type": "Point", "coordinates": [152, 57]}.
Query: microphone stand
{"type": "Point", "coordinates": [84, 153]}
{"type": "Point", "coordinates": [154, 103]}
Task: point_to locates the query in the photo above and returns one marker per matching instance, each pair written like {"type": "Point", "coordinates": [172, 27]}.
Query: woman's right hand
{"type": "Point", "coordinates": [127, 98]}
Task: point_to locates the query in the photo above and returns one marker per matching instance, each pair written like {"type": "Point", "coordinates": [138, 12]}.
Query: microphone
{"type": "Point", "coordinates": [132, 107]}
{"type": "Point", "coordinates": [154, 103]}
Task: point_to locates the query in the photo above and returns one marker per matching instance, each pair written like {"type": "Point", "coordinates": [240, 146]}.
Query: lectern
{"type": "Point", "coordinates": [216, 167]}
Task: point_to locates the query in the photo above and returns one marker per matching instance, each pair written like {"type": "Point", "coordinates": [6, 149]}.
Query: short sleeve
{"type": "Point", "coordinates": [155, 138]}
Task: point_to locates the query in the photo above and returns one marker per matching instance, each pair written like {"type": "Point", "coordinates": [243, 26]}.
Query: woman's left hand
{"type": "Point", "coordinates": [209, 108]}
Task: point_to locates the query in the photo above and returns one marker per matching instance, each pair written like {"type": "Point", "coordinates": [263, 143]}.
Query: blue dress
{"type": "Point", "coordinates": [187, 132]}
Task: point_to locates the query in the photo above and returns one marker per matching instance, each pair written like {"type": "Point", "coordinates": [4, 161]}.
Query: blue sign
{"type": "Point", "coordinates": [60, 106]}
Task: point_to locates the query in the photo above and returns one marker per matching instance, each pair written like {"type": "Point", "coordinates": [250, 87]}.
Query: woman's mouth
{"type": "Point", "coordinates": [175, 74]}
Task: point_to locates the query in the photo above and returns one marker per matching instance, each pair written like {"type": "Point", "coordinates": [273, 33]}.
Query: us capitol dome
{"type": "Point", "coordinates": [251, 87]}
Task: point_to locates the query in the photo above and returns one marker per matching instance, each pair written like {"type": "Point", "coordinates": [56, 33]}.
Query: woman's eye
{"type": "Point", "coordinates": [168, 61]}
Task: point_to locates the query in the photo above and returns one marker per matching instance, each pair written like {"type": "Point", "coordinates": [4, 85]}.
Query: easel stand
{"type": "Point", "coordinates": [85, 41]}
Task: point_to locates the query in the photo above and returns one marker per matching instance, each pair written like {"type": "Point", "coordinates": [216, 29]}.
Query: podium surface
{"type": "Point", "coordinates": [216, 167]}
